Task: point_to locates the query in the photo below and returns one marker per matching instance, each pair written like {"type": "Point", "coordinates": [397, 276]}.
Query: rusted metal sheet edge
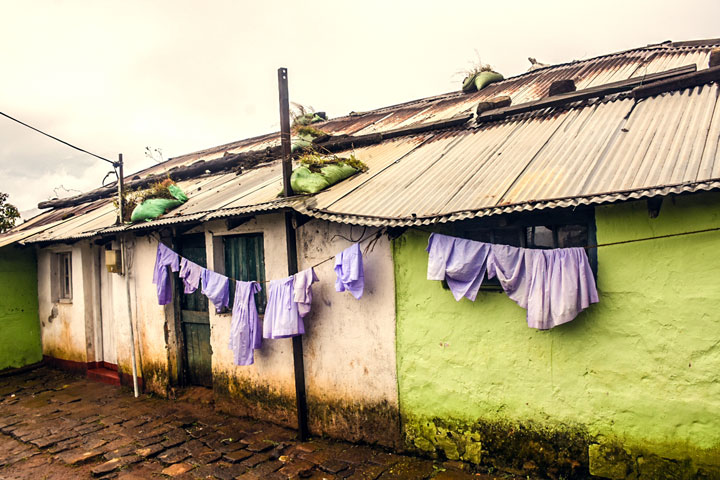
{"type": "Point", "coordinates": [200, 217]}
{"type": "Point", "coordinates": [568, 202]}
{"type": "Point", "coordinates": [299, 205]}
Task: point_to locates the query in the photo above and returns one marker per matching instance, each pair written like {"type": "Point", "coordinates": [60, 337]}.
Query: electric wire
{"type": "Point", "coordinates": [57, 139]}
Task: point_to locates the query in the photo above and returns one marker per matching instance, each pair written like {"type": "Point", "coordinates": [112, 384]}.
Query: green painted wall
{"type": "Point", "coordinates": [19, 325]}
{"type": "Point", "coordinates": [640, 370]}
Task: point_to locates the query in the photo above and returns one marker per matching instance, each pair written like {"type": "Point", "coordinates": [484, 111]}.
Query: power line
{"type": "Point", "coordinates": [114, 164]}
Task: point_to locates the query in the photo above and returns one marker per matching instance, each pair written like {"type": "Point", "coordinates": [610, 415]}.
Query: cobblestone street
{"type": "Point", "coordinates": [57, 426]}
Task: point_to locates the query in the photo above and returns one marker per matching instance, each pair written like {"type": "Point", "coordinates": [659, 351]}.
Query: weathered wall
{"type": "Point", "coordinates": [640, 370]}
{"type": "Point", "coordinates": [148, 317]}
{"type": "Point", "coordinates": [19, 326]}
{"type": "Point", "coordinates": [265, 389]}
{"type": "Point", "coordinates": [63, 323]}
{"type": "Point", "coordinates": [350, 344]}
{"type": "Point", "coordinates": [73, 331]}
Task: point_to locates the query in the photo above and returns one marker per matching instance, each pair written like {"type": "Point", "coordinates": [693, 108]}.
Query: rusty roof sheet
{"type": "Point", "coordinates": [602, 151]}
{"type": "Point", "coordinates": [521, 88]}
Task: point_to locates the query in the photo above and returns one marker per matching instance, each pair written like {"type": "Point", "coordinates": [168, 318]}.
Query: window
{"type": "Point", "coordinates": [245, 260]}
{"type": "Point", "coordinates": [62, 276]}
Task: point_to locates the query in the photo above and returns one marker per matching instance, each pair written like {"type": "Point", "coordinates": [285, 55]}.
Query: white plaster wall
{"type": "Point", "coordinates": [148, 317]}
{"type": "Point", "coordinates": [349, 344]}
{"type": "Point", "coordinates": [63, 323]}
{"type": "Point", "coordinates": [273, 366]}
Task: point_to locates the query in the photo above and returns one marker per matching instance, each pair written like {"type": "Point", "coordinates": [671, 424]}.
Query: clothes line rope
{"type": "Point", "coordinates": [590, 247]}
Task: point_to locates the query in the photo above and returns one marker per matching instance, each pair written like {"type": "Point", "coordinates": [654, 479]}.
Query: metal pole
{"type": "Point", "coordinates": [126, 271]}
{"type": "Point", "coordinates": [285, 130]}
{"type": "Point", "coordinates": [121, 197]}
{"type": "Point", "coordinates": [291, 246]}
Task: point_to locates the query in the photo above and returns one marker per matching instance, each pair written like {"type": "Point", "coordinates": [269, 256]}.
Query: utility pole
{"type": "Point", "coordinates": [121, 196]}
{"type": "Point", "coordinates": [291, 247]}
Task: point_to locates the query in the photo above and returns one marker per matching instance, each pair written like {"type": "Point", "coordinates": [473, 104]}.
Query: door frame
{"type": "Point", "coordinates": [180, 350]}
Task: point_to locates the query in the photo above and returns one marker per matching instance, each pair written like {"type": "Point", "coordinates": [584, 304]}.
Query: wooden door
{"type": "Point", "coordinates": [194, 318]}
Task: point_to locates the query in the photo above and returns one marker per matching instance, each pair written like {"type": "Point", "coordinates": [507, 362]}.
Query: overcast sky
{"type": "Point", "coordinates": [181, 76]}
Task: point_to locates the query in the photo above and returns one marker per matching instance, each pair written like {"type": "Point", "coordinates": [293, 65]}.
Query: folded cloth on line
{"type": "Point", "coordinates": [161, 278]}
{"type": "Point", "coordinates": [302, 290]}
{"type": "Point", "coordinates": [553, 285]}
{"type": "Point", "coordinates": [349, 271]}
{"type": "Point", "coordinates": [245, 335]}
{"type": "Point", "coordinates": [460, 262]}
{"type": "Point", "coordinates": [217, 288]}
{"type": "Point", "coordinates": [282, 318]}
{"type": "Point", "coordinates": [190, 273]}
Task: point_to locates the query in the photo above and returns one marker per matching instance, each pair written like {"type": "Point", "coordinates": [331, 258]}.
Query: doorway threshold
{"type": "Point", "coordinates": [104, 373]}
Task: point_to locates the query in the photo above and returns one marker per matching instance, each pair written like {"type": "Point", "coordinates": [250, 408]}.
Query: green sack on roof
{"type": "Point", "coordinates": [303, 180]}
{"type": "Point", "coordinates": [483, 79]}
{"type": "Point", "coordinates": [152, 208]}
{"type": "Point", "coordinates": [479, 80]}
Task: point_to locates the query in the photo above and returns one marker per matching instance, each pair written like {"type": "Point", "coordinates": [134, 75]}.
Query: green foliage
{"type": "Point", "coordinates": [308, 131]}
{"type": "Point", "coordinates": [315, 162]}
{"type": "Point", "coordinates": [8, 213]}
{"type": "Point", "coordinates": [132, 199]}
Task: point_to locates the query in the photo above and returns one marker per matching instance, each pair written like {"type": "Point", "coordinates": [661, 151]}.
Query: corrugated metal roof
{"type": "Point", "coordinates": [603, 151]}
{"type": "Point", "coordinates": [521, 88]}
{"type": "Point", "coordinates": [591, 152]}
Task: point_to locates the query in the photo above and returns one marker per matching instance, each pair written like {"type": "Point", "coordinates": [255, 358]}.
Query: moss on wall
{"type": "Point", "coordinates": [641, 369]}
{"type": "Point", "coordinates": [19, 326]}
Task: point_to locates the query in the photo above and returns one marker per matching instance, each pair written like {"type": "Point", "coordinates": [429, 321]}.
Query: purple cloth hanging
{"type": "Point", "coordinates": [460, 262]}
{"type": "Point", "coordinates": [553, 285]}
{"type": "Point", "coordinates": [282, 318]}
{"type": "Point", "coordinates": [302, 290]}
{"type": "Point", "coordinates": [245, 334]}
{"type": "Point", "coordinates": [217, 288]}
{"type": "Point", "coordinates": [349, 271]}
{"type": "Point", "coordinates": [161, 278]}
{"type": "Point", "coordinates": [190, 273]}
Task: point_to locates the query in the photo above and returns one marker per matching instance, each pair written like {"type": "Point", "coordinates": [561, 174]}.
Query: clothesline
{"type": "Point", "coordinates": [289, 299]}
{"type": "Point", "coordinates": [590, 247]}
{"type": "Point", "coordinates": [377, 235]}
{"type": "Point", "coordinates": [553, 285]}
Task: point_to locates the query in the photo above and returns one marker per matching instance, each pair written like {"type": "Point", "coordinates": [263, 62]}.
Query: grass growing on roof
{"type": "Point", "coordinates": [309, 131]}
{"type": "Point", "coordinates": [315, 162]}
{"type": "Point", "coordinates": [132, 199]}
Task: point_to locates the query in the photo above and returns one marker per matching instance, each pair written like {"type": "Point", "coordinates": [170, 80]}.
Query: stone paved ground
{"type": "Point", "coordinates": [54, 425]}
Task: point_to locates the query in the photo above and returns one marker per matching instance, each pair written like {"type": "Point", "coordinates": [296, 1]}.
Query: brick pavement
{"type": "Point", "coordinates": [54, 425]}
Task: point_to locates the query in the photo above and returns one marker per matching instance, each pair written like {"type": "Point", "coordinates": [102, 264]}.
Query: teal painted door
{"type": "Point", "coordinates": [195, 319]}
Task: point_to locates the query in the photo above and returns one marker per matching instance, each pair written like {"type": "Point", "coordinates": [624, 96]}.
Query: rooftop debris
{"type": "Point", "coordinates": [302, 115]}
{"type": "Point", "coordinates": [535, 65]}
{"type": "Point", "coordinates": [152, 202]}
{"type": "Point", "coordinates": [480, 76]}
{"type": "Point", "coordinates": [305, 136]}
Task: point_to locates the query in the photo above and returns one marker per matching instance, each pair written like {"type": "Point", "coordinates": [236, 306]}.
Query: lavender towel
{"type": "Point", "coordinates": [245, 335]}
{"type": "Point", "coordinates": [302, 290]}
{"type": "Point", "coordinates": [163, 259]}
{"type": "Point", "coordinates": [462, 263]}
{"type": "Point", "coordinates": [217, 288]}
{"type": "Point", "coordinates": [190, 273]}
{"type": "Point", "coordinates": [553, 285]}
{"type": "Point", "coordinates": [349, 271]}
{"type": "Point", "coordinates": [282, 318]}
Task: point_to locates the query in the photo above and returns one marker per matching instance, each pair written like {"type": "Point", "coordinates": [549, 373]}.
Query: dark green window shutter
{"type": "Point", "coordinates": [245, 260]}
